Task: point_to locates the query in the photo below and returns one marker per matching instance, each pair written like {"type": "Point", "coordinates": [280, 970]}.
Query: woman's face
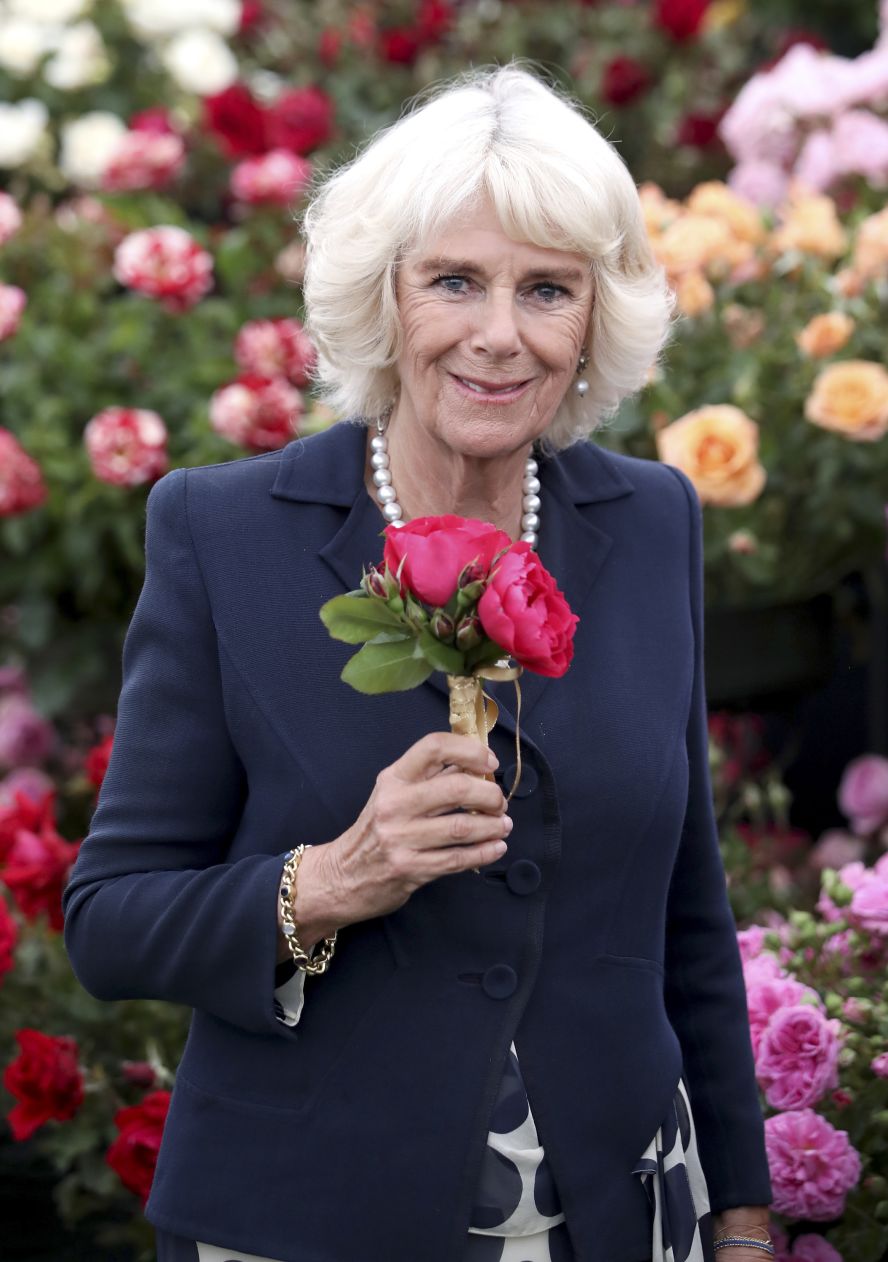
{"type": "Point", "coordinates": [493, 329]}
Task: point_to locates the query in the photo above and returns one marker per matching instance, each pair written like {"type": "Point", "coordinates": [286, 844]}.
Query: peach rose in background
{"type": "Point", "coordinates": [870, 258]}
{"type": "Point", "coordinates": [851, 398]}
{"type": "Point", "coordinates": [810, 225]}
{"type": "Point", "coordinates": [694, 294]}
{"type": "Point", "coordinates": [717, 447]}
{"type": "Point", "coordinates": [716, 200]}
{"type": "Point", "coordinates": [825, 334]}
{"type": "Point", "coordinates": [700, 243]}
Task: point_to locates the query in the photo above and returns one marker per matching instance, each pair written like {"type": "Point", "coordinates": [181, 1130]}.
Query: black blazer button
{"type": "Point", "coordinates": [527, 784]}
{"type": "Point", "coordinates": [500, 981]}
{"type": "Point", "coordinates": [523, 876]}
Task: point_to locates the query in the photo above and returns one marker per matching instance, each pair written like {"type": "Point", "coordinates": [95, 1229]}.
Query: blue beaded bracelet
{"type": "Point", "coordinates": [736, 1242]}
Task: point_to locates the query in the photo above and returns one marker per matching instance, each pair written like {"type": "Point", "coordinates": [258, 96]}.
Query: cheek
{"type": "Point", "coordinates": [429, 327]}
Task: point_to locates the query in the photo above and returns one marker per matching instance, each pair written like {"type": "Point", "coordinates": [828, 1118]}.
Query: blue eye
{"type": "Point", "coordinates": [451, 284]}
{"type": "Point", "coordinates": [548, 293]}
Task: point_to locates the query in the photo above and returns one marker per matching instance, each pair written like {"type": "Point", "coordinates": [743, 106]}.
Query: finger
{"type": "Point", "coordinates": [447, 793]}
{"type": "Point", "coordinates": [441, 832]}
{"type": "Point", "coordinates": [452, 859]}
{"type": "Point", "coordinates": [433, 752]}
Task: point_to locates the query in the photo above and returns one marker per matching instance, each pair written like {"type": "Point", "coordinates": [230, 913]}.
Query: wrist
{"type": "Point", "coordinates": [314, 902]}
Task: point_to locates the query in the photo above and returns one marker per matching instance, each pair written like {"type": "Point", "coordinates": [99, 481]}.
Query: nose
{"type": "Point", "coordinates": [496, 331]}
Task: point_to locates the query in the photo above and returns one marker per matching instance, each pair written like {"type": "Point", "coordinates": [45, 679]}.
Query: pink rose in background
{"type": "Point", "coordinates": [810, 1248]}
{"type": "Point", "coordinates": [751, 942]}
{"type": "Point", "coordinates": [21, 482]}
{"type": "Point", "coordinates": [760, 182]}
{"type": "Point", "coordinates": [813, 1166]}
{"type": "Point", "coordinates": [851, 875]}
{"type": "Point", "coordinates": [435, 550]}
{"type": "Point", "coordinates": [819, 162]}
{"type": "Point", "coordinates": [764, 998]}
{"type": "Point", "coordinates": [10, 218]}
{"type": "Point", "coordinates": [26, 737]}
{"type": "Point", "coordinates": [879, 1065]}
{"type": "Point", "coordinates": [261, 413]}
{"type": "Point", "coordinates": [797, 1057]}
{"type": "Point", "coordinates": [167, 264]}
{"type": "Point", "coordinates": [834, 849]}
{"type": "Point", "coordinates": [764, 967]}
{"type": "Point", "coordinates": [863, 793]}
{"type": "Point", "coordinates": [12, 303]}
{"type": "Point", "coordinates": [869, 904]}
{"type": "Point", "coordinates": [127, 446]}
{"type": "Point", "coordinates": [869, 85]}
{"type": "Point", "coordinates": [157, 121]}
{"type": "Point", "coordinates": [31, 781]}
{"type": "Point", "coordinates": [759, 127]}
{"type": "Point", "coordinates": [860, 141]}
{"type": "Point", "coordinates": [276, 348]}
{"type": "Point", "coordinates": [524, 612]}
{"type": "Point", "coordinates": [144, 159]}
{"type": "Point", "coordinates": [276, 178]}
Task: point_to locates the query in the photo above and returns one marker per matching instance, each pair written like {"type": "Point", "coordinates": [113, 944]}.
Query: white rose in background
{"type": "Point", "coordinates": [23, 44]}
{"type": "Point", "coordinates": [48, 12]}
{"type": "Point", "coordinates": [200, 61]}
{"type": "Point", "coordinates": [80, 59]}
{"type": "Point", "coordinates": [158, 19]}
{"type": "Point", "coordinates": [88, 145]}
{"type": "Point", "coordinates": [22, 128]}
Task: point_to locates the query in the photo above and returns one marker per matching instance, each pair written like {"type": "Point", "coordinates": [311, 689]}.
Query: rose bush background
{"type": "Point", "coordinates": [152, 156]}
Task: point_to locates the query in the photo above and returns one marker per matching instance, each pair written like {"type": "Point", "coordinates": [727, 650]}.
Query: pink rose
{"type": "Point", "coordinates": [21, 481]}
{"type": "Point", "coordinates": [813, 1165]}
{"type": "Point", "coordinates": [819, 163]}
{"type": "Point", "coordinates": [144, 158]}
{"type": "Point", "coordinates": [276, 348]}
{"type": "Point", "coordinates": [12, 303]}
{"type": "Point", "coordinates": [860, 140]}
{"type": "Point", "coordinates": [276, 178]}
{"type": "Point", "coordinates": [760, 182]}
{"type": "Point", "coordinates": [762, 968]}
{"type": "Point", "coordinates": [26, 737]}
{"type": "Point", "coordinates": [863, 793]}
{"type": "Point", "coordinates": [797, 1057]}
{"type": "Point", "coordinates": [751, 942]}
{"type": "Point", "coordinates": [869, 905]}
{"type": "Point", "coordinates": [879, 1065]}
{"type": "Point", "coordinates": [814, 1249]}
{"type": "Point", "coordinates": [35, 784]}
{"type": "Point", "coordinates": [167, 264]}
{"type": "Point", "coordinates": [10, 218]}
{"type": "Point", "coordinates": [261, 413]}
{"type": "Point", "coordinates": [435, 551]}
{"type": "Point", "coordinates": [524, 612]}
{"type": "Point", "coordinates": [764, 998]}
{"type": "Point", "coordinates": [127, 446]}
{"type": "Point", "coordinates": [834, 849]}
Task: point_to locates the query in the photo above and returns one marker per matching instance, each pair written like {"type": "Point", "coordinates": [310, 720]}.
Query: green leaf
{"type": "Point", "coordinates": [356, 619]}
{"type": "Point", "coordinates": [442, 656]}
{"type": "Point", "coordinates": [386, 668]}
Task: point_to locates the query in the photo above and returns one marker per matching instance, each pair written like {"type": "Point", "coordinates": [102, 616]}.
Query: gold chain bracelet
{"type": "Point", "coordinates": [318, 963]}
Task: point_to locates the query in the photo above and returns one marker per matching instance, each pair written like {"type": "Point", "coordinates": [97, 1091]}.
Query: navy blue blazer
{"type": "Point", "coordinates": [602, 942]}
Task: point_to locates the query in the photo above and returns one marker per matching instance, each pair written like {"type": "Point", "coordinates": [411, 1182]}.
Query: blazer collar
{"type": "Point", "coordinates": [328, 468]}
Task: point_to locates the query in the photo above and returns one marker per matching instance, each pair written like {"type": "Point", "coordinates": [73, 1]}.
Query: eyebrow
{"type": "Point", "coordinates": [461, 266]}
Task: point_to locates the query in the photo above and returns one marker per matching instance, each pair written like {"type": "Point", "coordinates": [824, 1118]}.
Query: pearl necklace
{"type": "Point", "coordinates": [394, 514]}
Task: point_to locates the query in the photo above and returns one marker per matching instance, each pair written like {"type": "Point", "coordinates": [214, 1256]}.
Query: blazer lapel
{"type": "Point", "coordinates": [572, 546]}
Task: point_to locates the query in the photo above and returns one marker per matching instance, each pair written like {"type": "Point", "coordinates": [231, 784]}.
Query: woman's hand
{"type": "Point", "coordinates": [749, 1220]}
{"type": "Point", "coordinates": [415, 827]}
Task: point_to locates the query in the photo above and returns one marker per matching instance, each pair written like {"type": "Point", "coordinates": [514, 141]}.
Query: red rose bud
{"type": "Point", "coordinates": [138, 1073]}
{"type": "Point", "coordinates": [415, 611]}
{"type": "Point", "coordinates": [442, 626]}
{"type": "Point", "coordinates": [374, 583]}
{"type": "Point", "coordinates": [473, 573]}
{"type": "Point", "coordinates": [468, 633]}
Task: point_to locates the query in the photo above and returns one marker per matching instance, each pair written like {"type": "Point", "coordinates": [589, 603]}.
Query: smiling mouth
{"type": "Point", "coordinates": [491, 389]}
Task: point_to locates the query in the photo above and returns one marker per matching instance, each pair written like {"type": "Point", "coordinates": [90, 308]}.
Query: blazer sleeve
{"type": "Point", "coordinates": [154, 908]}
{"type": "Point", "coordinates": [705, 993]}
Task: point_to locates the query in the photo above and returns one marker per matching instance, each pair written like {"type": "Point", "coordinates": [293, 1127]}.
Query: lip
{"type": "Point", "coordinates": [503, 394]}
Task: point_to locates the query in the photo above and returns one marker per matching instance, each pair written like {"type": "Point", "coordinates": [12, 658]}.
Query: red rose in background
{"type": "Point", "coordinates": [157, 121]}
{"type": "Point", "coordinates": [682, 19]}
{"type": "Point", "coordinates": [698, 131]}
{"type": "Point", "coordinates": [133, 1155]}
{"type": "Point", "coordinates": [330, 45]}
{"type": "Point", "coordinates": [21, 480]}
{"type": "Point", "coordinates": [300, 120]}
{"type": "Point", "coordinates": [38, 860]}
{"type": "Point", "coordinates": [435, 550]}
{"type": "Point", "coordinates": [400, 45]}
{"type": "Point", "coordinates": [624, 80]}
{"type": "Point", "coordinates": [237, 121]}
{"type": "Point", "coordinates": [434, 19]}
{"type": "Point", "coordinates": [252, 15]}
{"type": "Point", "coordinates": [96, 761]}
{"type": "Point", "coordinates": [45, 1079]}
{"type": "Point", "coordinates": [524, 612]}
{"type": "Point", "coordinates": [8, 938]}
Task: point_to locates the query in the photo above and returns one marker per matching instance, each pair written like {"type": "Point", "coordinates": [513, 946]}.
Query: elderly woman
{"type": "Point", "coordinates": [546, 1059]}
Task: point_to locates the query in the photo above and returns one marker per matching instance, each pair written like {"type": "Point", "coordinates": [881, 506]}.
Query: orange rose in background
{"type": "Point", "coordinates": [870, 258]}
{"type": "Point", "coordinates": [716, 200]}
{"type": "Point", "coordinates": [851, 398]}
{"type": "Point", "coordinates": [694, 294]}
{"type": "Point", "coordinates": [717, 447]}
{"type": "Point", "coordinates": [810, 225]}
{"type": "Point", "coordinates": [825, 334]}
{"type": "Point", "coordinates": [700, 243]}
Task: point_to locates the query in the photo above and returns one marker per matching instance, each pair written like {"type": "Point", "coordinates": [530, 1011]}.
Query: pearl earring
{"type": "Point", "coordinates": [582, 386]}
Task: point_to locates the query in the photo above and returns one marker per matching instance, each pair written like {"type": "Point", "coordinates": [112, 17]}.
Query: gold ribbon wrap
{"type": "Point", "coordinates": [474, 713]}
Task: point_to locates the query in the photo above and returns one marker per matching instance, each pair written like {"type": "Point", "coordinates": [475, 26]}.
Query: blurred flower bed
{"type": "Point", "coordinates": [154, 156]}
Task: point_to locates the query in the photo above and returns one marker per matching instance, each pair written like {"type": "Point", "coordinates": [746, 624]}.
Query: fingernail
{"type": "Point", "coordinates": [492, 760]}
{"type": "Point", "coordinates": [501, 847]}
{"type": "Point", "coordinates": [508, 823]}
